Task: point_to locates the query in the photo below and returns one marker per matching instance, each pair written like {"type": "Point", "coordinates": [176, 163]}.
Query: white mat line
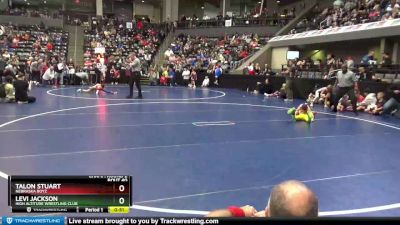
{"type": "Point", "coordinates": [222, 94]}
{"type": "Point", "coordinates": [213, 123]}
{"type": "Point", "coordinates": [167, 111]}
{"type": "Point", "coordinates": [199, 124]}
{"type": "Point", "coordinates": [176, 146]}
{"type": "Point", "coordinates": [262, 187]}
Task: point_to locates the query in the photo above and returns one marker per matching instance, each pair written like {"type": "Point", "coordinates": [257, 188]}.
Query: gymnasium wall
{"type": "Point", "coordinates": [279, 57]}
{"type": "Point", "coordinates": [221, 31]}
{"type": "Point", "coordinates": [19, 20]}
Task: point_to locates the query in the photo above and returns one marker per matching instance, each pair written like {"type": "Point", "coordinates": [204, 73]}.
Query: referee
{"type": "Point", "coordinates": [135, 68]}
{"type": "Point", "coordinates": [345, 84]}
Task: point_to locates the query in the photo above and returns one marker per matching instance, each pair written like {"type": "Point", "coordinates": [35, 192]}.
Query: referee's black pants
{"type": "Point", "coordinates": [340, 92]}
{"type": "Point", "coordinates": [135, 79]}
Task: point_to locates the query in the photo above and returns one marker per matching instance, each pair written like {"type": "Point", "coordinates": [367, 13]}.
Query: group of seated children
{"type": "Point", "coordinates": [16, 90]}
{"type": "Point", "coordinates": [368, 102]}
{"type": "Point", "coordinates": [372, 103]}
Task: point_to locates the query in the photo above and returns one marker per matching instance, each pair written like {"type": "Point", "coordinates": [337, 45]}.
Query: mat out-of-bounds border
{"type": "Point", "coordinates": [201, 213]}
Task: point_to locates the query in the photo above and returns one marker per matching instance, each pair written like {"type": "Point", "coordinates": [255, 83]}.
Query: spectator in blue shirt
{"type": "Point", "coordinates": [171, 75]}
{"type": "Point", "coordinates": [367, 58]}
{"type": "Point", "coordinates": [218, 74]}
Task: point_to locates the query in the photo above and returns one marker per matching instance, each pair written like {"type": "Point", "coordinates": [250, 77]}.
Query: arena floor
{"type": "Point", "coordinates": [190, 151]}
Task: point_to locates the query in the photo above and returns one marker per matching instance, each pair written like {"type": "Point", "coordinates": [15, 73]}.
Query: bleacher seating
{"type": "Point", "coordinates": [119, 41]}
{"type": "Point", "coordinates": [32, 41]}
{"type": "Point", "coordinates": [201, 52]}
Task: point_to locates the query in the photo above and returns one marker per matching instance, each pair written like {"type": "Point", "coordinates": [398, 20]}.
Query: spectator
{"type": "Point", "coordinates": [257, 69]}
{"type": "Point", "coordinates": [350, 12]}
{"type": "Point", "coordinates": [350, 63]}
{"type": "Point", "coordinates": [35, 70]}
{"type": "Point", "coordinates": [171, 76]}
{"type": "Point", "coordinates": [193, 78]}
{"type": "Point", "coordinates": [287, 199]}
{"type": "Point", "coordinates": [386, 60]}
{"type": "Point", "coordinates": [71, 70]}
{"type": "Point", "coordinates": [369, 100]}
{"type": "Point", "coordinates": [9, 90]}
{"type": "Point", "coordinates": [363, 74]}
{"type": "Point", "coordinates": [279, 94]}
{"type": "Point", "coordinates": [49, 75]}
{"type": "Point", "coordinates": [115, 75]}
{"type": "Point", "coordinates": [369, 58]}
{"type": "Point", "coordinates": [153, 77]}
{"type": "Point", "coordinates": [206, 82]}
{"type": "Point", "coordinates": [392, 106]}
{"type": "Point", "coordinates": [264, 88]}
{"type": "Point", "coordinates": [377, 109]}
{"type": "Point", "coordinates": [203, 52]}
{"type": "Point", "coordinates": [218, 74]}
{"type": "Point", "coordinates": [330, 61]}
{"type": "Point", "coordinates": [118, 42]}
{"type": "Point", "coordinates": [186, 76]}
{"type": "Point", "coordinates": [290, 73]}
{"type": "Point", "coordinates": [22, 87]}
{"type": "Point", "coordinates": [3, 65]}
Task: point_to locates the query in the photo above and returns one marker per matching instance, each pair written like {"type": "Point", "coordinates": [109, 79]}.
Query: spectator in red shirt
{"type": "Point", "coordinates": [140, 25]}
{"type": "Point", "coordinates": [244, 54]}
{"type": "Point", "coordinates": [50, 46]}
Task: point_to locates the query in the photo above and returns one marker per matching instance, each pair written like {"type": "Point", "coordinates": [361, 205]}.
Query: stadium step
{"type": "Point", "coordinates": [75, 45]}
{"type": "Point", "coordinates": [159, 57]}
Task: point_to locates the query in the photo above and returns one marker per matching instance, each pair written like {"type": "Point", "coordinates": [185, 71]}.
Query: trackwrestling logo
{"type": "Point", "coordinates": [33, 220]}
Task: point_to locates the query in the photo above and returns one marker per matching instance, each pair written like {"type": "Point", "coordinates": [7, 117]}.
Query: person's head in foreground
{"type": "Point", "coordinates": [288, 199]}
{"type": "Point", "coordinates": [292, 199]}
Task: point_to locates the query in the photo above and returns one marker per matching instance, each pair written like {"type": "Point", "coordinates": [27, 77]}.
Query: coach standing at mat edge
{"type": "Point", "coordinates": [135, 67]}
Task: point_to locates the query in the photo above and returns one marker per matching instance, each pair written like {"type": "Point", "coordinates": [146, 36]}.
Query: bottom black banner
{"type": "Point", "coordinates": [230, 221]}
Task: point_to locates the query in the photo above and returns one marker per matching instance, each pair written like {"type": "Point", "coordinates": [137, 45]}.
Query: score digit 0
{"type": "Point", "coordinates": [121, 200]}
{"type": "Point", "coordinates": [121, 188]}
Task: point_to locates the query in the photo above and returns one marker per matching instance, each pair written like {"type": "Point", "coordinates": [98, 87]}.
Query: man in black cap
{"type": "Point", "coordinates": [135, 67]}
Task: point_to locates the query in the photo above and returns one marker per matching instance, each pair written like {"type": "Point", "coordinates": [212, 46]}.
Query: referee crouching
{"type": "Point", "coordinates": [345, 84]}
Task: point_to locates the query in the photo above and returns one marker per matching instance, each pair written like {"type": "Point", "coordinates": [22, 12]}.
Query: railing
{"type": "Point", "coordinates": [322, 22]}
{"type": "Point", "coordinates": [388, 74]}
{"type": "Point", "coordinates": [237, 22]}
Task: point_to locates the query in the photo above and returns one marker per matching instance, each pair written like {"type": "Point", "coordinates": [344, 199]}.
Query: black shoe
{"type": "Point", "coordinates": [129, 96]}
{"type": "Point", "coordinates": [355, 112]}
{"type": "Point", "coordinates": [139, 97]}
{"type": "Point", "coordinates": [334, 110]}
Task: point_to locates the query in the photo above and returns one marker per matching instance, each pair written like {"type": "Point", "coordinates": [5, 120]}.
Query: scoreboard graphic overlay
{"type": "Point", "coordinates": [74, 194]}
